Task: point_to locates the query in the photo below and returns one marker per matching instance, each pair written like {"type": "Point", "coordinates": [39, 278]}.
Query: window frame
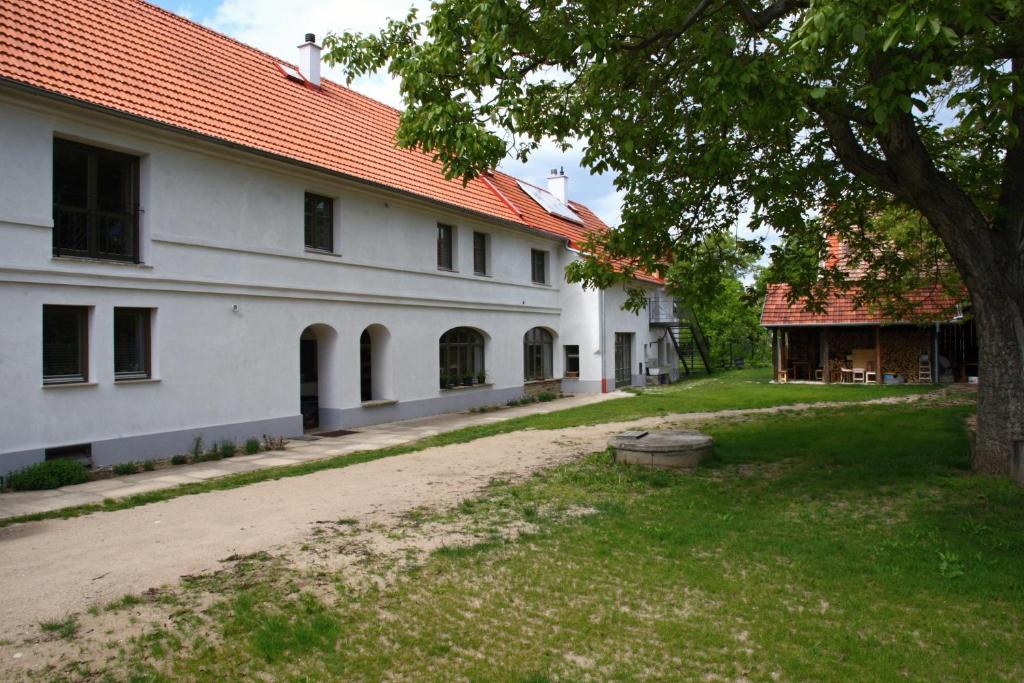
{"type": "Point", "coordinates": [569, 356]}
{"type": "Point", "coordinates": [465, 346]}
{"type": "Point", "coordinates": [147, 345]}
{"type": "Point", "coordinates": [82, 376]}
{"type": "Point", "coordinates": [309, 216]}
{"type": "Point", "coordinates": [481, 253]}
{"type": "Point", "coordinates": [92, 211]}
{"type": "Point", "coordinates": [446, 247]}
{"type": "Point", "coordinates": [534, 253]}
{"type": "Point", "coordinates": [538, 355]}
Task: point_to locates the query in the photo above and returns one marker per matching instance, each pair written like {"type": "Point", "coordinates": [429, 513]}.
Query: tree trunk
{"type": "Point", "coordinates": [1001, 389]}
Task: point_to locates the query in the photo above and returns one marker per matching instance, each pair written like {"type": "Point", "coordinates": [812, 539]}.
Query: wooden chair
{"type": "Point", "coordinates": [782, 377]}
{"type": "Point", "coordinates": [871, 375]}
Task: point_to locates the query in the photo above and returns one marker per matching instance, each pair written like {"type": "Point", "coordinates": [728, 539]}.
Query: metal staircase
{"type": "Point", "coordinates": [684, 331]}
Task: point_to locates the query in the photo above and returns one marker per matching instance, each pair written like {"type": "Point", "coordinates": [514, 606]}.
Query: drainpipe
{"type": "Point", "coordinates": [600, 342]}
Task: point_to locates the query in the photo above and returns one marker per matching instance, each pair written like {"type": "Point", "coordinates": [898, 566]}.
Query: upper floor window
{"type": "Point", "coordinates": [480, 253]}
{"type": "Point", "coordinates": [319, 221]}
{"type": "Point", "coordinates": [65, 344]}
{"type": "Point", "coordinates": [445, 246]}
{"type": "Point", "coordinates": [95, 202]}
{"type": "Point", "coordinates": [539, 266]}
{"type": "Point", "coordinates": [132, 343]}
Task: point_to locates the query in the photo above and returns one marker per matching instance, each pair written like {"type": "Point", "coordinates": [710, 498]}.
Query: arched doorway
{"type": "Point", "coordinates": [374, 371]}
{"type": "Point", "coordinates": [316, 344]}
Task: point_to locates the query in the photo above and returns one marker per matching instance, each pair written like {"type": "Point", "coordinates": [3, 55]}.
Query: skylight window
{"type": "Point", "coordinates": [291, 73]}
{"type": "Point", "coordinates": [550, 203]}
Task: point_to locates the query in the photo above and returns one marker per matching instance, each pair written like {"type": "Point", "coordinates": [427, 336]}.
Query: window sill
{"type": "Point", "coordinates": [379, 403]}
{"type": "Point", "coordinates": [482, 274]}
{"type": "Point", "coordinates": [486, 385]}
{"type": "Point", "coordinates": [69, 385]}
{"type": "Point", "coordinates": [140, 380]}
{"type": "Point", "coordinates": [541, 284]}
{"type": "Point", "coordinates": [446, 270]}
{"type": "Point", "coordinates": [528, 382]}
{"type": "Point", "coordinates": [322, 252]}
{"type": "Point", "coordinates": [103, 261]}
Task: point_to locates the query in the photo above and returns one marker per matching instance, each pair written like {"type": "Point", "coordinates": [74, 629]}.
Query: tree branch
{"type": "Point", "coordinates": [852, 154]}
{"type": "Point", "coordinates": [759, 21]}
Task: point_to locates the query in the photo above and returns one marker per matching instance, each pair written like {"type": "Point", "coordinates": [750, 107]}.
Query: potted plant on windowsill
{"type": "Point", "coordinates": [467, 379]}
{"type": "Point", "coordinates": [447, 382]}
{"type": "Point", "coordinates": [481, 378]}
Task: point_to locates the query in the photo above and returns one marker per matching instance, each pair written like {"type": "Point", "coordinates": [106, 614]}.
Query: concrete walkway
{"type": "Point", "coordinates": [14, 504]}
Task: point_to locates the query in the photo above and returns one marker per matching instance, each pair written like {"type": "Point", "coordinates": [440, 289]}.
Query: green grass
{"type": "Point", "coordinates": [834, 545]}
{"type": "Point", "coordinates": [725, 391]}
{"type": "Point", "coordinates": [66, 628]}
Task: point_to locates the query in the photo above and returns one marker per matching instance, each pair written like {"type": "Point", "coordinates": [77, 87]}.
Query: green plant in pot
{"type": "Point", "coordinates": [481, 378]}
{"type": "Point", "coordinates": [467, 379]}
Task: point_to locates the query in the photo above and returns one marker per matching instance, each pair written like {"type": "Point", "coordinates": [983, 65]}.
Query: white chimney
{"type": "Point", "coordinates": [309, 59]}
{"type": "Point", "coordinates": [558, 185]}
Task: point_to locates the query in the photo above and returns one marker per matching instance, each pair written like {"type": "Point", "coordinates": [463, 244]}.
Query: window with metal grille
{"type": "Point", "coordinates": [132, 343]}
{"type": "Point", "coordinates": [539, 266]}
{"type": "Point", "coordinates": [319, 222]}
{"type": "Point", "coordinates": [445, 234]}
{"type": "Point", "coordinates": [95, 202]}
{"type": "Point", "coordinates": [65, 344]}
{"type": "Point", "coordinates": [480, 253]}
{"type": "Point", "coordinates": [537, 344]}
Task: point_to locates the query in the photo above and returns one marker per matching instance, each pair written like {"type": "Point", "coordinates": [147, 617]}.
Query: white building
{"type": "Point", "coordinates": [197, 240]}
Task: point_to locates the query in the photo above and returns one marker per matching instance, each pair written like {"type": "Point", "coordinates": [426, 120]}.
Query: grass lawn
{"type": "Point", "coordinates": [848, 544]}
{"type": "Point", "coordinates": [723, 391]}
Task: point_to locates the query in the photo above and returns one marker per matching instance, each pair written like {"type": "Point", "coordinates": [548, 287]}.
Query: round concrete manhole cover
{"type": "Point", "coordinates": [663, 449]}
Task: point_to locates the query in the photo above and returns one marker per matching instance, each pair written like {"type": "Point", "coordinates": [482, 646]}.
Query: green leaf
{"type": "Point", "coordinates": [818, 93]}
{"type": "Point", "coordinates": [890, 40]}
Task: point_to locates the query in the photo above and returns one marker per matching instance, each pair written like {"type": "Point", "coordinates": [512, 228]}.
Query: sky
{"type": "Point", "coordinates": [278, 26]}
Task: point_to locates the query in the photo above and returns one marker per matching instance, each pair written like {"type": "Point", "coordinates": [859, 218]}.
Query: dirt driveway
{"type": "Point", "coordinates": [56, 567]}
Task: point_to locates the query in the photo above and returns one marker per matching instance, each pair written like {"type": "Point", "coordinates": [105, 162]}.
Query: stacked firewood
{"type": "Point", "coordinates": [902, 348]}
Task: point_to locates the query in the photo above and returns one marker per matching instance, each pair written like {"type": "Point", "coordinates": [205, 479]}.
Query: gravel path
{"type": "Point", "coordinates": [56, 567]}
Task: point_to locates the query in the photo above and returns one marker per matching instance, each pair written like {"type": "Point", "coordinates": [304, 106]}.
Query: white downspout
{"type": "Point", "coordinates": [601, 340]}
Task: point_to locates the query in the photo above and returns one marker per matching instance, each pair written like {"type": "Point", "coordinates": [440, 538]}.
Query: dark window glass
{"type": "Point", "coordinates": [444, 246]}
{"type": "Point", "coordinates": [480, 253]}
{"type": "Point", "coordinates": [95, 202]}
{"type": "Point", "coordinates": [572, 360]}
{"type": "Point", "coordinates": [537, 345]}
{"type": "Point", "coordinates": [539, 263]}
{"type": "Point", "coordinates": [131, 343]}
{"type": "Point", "coordinates": [623, 359]}
{"type": "Point", "coordinates": [366, 366]}
{"type": "Point", "coordinates": [462, 357]}
{"type": "Point", "coordinates": [319, 222]}
{"type": "Point", "coordinates": [65, 340]}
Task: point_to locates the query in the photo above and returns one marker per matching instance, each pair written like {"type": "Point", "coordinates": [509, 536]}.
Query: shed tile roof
{"type": "Point", "coordinates": [929, 304]}
{"type": "Point", "coordinates": [138, 59]}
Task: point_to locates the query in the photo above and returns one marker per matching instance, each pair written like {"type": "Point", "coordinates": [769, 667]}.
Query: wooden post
{"type": "Point", "coordinates": [878, 355]}
{"type": "Point", "coordinates": [775, 353]}
{"type": "Point", "coordinates": [826, 373]}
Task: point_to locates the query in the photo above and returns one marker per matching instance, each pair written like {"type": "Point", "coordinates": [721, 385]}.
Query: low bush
{"type": "Point", "coordinates": [179, 460]}
{"type": "Point", "coordinates": [227, 448]}
{"type": "Point", "coordinates": [197, 447]}
{"type": "Point", "coordinates": [209, 455]}
{"type": "Point", "coordinates": [149, 465]}
{"type": "Point", "coordinates": [273, 443]}
{"type": "Point", "coordinates": [51, 474]}
{"type": "Point", "coordinates": [252, 446]}
{"type": "Point", "coordinates": [123, 468]}
{"type": "Point", "coordinates": [545, 396]}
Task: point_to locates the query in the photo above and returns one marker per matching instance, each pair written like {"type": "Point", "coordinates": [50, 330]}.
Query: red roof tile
{"type": "Point", "coordinates": [138, 59]}
{"type": "Point", "coordinates": [930, 303]}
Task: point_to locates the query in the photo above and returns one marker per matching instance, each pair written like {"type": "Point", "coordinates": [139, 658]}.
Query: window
{"type": "Point", "coordinates": [462, 357]}
{"type": "Point", "coordinates": [95, 202]}
{"type": "Point", "coordinates": [65, 344]}
{"type": "Point", "coordinates": [319, 220]}
{"type": "Point", "coordinates": [444, 246]}
{"type": "Point", "coordinates": [539, 264]}
{"type": "Point", "coordinates": [572, 360]}
{"type": "Point", "coordinates": [480, 253]}
{"type": "Point", "coordinates": [537, 352]}
{"type": "Point", "coordinates": [131, 343]}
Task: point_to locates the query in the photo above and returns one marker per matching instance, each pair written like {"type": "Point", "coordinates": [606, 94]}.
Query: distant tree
{"type": "Point", "coordinates": [794, 109]}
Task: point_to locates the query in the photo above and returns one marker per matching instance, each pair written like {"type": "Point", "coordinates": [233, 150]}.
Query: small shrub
{"type": "Point", "coordinates": [272, 443]}
{"type": "Point", "coordinates": [122, 468]}
{"type": "Point", "coordinates": [51, 474]}
{"type": "Point", "coordinates": [179, 460]}
{"type": "Point", "coordinates": [227, 448]}
{"type": "Point", "coordinates": [545, 396]}
{"type": "Point", "coordinates": [149, 465]}
{"type": "Point", "coordinates": [252, 446]}
{"type": "Point", "coordinates": [197, 447]}
{"type": "Point", "coordinates": [212, 454]}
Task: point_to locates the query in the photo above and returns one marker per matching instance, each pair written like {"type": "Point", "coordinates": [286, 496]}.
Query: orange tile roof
{"type": "Point", "coordinates": [137, 59]}
{"type": "Point", "coordinates": [929, 303]}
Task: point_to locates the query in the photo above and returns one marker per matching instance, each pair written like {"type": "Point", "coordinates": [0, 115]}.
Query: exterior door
{"type": "Point", "coordinates": [623, 359]}
{"type": "Point", "coordinates": [309, 395]}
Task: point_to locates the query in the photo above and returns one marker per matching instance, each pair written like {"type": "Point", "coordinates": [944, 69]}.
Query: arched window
{"type": "Point", "coordinates": [537, 344]}
{"type": "Point", "coordinates": [462, 357]}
